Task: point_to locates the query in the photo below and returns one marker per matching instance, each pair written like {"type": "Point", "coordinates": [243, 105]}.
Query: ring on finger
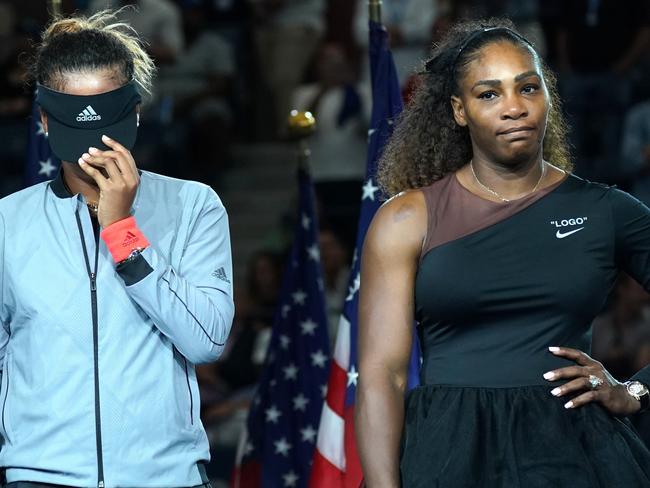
{"type": "Point", "coordinates": [595, 381]}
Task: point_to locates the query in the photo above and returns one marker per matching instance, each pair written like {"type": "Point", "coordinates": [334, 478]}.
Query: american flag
{"type": "Point", "coordinates": [41, 164]}
{"type": "Point", "coordinates": [336, 461]}
{"type": "Point", "coordinates": [283, 421]}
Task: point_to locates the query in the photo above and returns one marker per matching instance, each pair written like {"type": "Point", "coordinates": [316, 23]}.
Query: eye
{"type": "Point", "coordinates": [488, 95]}
{"type": "Point", "coordinates": [530, 88]}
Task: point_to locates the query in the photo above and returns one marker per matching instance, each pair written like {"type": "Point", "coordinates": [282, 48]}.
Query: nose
{"type": "Point", "coordinates": [514, 108]}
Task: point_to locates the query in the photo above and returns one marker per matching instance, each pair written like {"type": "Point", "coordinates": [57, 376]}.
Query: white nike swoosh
{"type": "Point", "coordinates": [559, 234]}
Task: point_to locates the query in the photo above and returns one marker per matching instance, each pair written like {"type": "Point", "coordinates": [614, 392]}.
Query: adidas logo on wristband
{"type": "Point", "coordinates": [129, 239]}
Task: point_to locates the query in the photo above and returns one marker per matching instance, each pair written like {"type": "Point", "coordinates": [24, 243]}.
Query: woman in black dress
{"type": "Point", "coordinates": [504, 258]}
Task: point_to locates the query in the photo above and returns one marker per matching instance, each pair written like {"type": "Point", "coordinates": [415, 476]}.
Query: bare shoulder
{"type": "Point", "coordinates": [405, 205]}
{"type": "Point", "coordinates": [400, 223]}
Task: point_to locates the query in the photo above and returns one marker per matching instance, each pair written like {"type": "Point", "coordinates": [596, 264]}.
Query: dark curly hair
{"type": "Point", "coordinates": [427, 143]}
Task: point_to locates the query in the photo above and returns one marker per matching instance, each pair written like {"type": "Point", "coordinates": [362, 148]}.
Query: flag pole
{"type": "Point", "coordinates": [296, 367]}
{"type": "Point", "coordinates": [336, 462]}
{"type": "Point", "coordinates": [300, 126]}
{"type": "Point", "coordinates": [374, 10]}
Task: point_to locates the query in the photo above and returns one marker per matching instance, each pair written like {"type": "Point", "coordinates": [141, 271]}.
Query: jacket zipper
{"type": "Point", "coordinates": [189, 388]}
{"type": "Point", "coordinates": [92, 276]}
{"type": "Point", "coordinates": [4, 402]}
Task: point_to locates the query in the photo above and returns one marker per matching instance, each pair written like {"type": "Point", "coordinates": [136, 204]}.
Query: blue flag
{"type": "Point", "coordinates": [386, 106]}
{"type": "Point", "coordinates": [336, 464]}
{"type": "Point", "coordinates": [41, 164]}
{"type": "Point", "coordinates": [283, 420]}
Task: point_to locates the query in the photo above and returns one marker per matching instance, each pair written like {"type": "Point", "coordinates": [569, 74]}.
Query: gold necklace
{"type": "Point", "coordinates": [504, 199]}
{"type": "Point", "coordinates": [93, 207]}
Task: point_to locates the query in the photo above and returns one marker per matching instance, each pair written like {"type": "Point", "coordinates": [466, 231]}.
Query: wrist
{"type": "Point", "coordinates": [639, 394]}
{"type": "Point", "coordinates": [124, 238]}
{"type": "Point", "coordinates": [133, 255]}
{"type": "Point", "coordinates": [113, 220]}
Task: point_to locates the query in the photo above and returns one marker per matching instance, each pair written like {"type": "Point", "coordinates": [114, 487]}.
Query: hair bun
{"type": "Point", "coordinates": [64, 26]}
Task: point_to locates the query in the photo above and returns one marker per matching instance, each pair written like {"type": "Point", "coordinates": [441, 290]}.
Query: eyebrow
{"type": "Point", "coordinates": [518, 78]}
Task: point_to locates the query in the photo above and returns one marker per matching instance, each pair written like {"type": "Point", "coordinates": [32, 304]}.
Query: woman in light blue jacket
{"type": "Point", "coordinates": [114, 283]}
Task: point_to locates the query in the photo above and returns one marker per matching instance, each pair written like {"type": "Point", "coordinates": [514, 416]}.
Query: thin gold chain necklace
{"type": "Point", "coordinates": [503, 199]}
{"type": "Point", "coordinates": [93, 207]}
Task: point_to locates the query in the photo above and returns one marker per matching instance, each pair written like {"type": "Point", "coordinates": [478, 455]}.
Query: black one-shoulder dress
{"type": "Point", "coordinates": [497, 284]}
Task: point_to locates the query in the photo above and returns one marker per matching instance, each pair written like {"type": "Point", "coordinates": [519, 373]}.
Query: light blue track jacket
{"type": "Point", "coordinates": [98, 386]}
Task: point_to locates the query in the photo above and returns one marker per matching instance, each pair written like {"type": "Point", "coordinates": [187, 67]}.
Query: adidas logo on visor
{"type": "Point", "coordinates": [88, 115]}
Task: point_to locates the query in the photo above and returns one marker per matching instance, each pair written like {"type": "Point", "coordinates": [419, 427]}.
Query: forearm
{"type": "Point", "coordinates": [190, 302]}
{"type": "Point", "coordinates": [197, 321]}
{"type": "Point", "coordinates": [379, 420]}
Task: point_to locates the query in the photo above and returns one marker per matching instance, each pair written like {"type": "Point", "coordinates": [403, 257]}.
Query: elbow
{"type": "Point", "coordinates": [205, 355]}
{"type": "Point", "coordinates": [377, 383]}
{"type": "Point", "coordinates": [363, 401]}
{"type": "Point", "coordinates": [206, 351]}
{"type": "Point", "coordinates": [213, 344]}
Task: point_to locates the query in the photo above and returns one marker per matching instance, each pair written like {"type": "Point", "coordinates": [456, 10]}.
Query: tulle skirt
{"type": "Point", "coordinates": [523, 437]}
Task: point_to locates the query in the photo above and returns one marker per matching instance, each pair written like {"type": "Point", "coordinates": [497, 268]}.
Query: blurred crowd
{"type": "Point", "coordinates": [230, 70]}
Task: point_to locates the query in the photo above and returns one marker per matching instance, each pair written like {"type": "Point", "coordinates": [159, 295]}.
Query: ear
{"type": "Point", "coordinates": [43, 119]}
{"type": "Point", "coordinates": [459, 111]}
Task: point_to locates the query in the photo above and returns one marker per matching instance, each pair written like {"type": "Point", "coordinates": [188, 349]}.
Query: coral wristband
{"type": "Point", "coordinates": [123, 237]}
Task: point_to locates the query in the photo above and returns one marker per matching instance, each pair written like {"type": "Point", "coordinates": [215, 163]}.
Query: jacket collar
{"type": "Point", "coordinates": [58, 186]}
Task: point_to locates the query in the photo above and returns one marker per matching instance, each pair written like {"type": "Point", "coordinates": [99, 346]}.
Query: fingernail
{"type": "Point", "coordinates": [555, 391]}
{"type": "Point", "coordinates": [85, 156]}
{"type": "Point", "coordinates": [568, 405]}
{"type": "Point", "coordinates": [553, 349]}
{"type": "Point", "coordinates": [92, 149]}
{"type": "Point", "coordinates": [81, 161]}
{"type": "Point", "coordinates": [105, 137]}
{"type": "Point", "coordinates": [549, 375]}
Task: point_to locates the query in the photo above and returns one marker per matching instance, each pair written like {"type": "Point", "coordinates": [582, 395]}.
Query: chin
{"type": "Point", "coordinates": [519, 156]}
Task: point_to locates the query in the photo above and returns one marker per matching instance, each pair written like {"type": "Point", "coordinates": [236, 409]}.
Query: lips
{"type": "Point", "coordinates": [513, 130]}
